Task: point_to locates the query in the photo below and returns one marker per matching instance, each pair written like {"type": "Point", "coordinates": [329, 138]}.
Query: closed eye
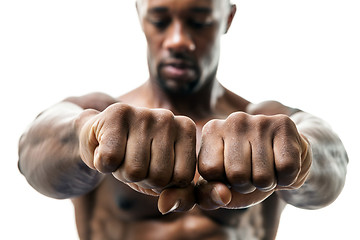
{"type": "Point", "coordinates": [199, 24]}
{"type": "Point", "coordinates": [160, 23]}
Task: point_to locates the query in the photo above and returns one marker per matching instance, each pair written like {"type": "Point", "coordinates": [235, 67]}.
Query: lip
{"type": "Point", "coordinates": [179, 63]}
{"type": "Point", "coordinates": [178, 69]}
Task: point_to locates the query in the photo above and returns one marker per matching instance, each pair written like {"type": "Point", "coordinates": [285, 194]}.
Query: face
{"type": "Point", "coordinates": [183, 39]}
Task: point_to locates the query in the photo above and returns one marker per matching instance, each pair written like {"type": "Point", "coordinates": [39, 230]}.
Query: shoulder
{"type": "Point", "coordinates": [96, 100]}
{"type": "Point", "coordinates": [270, 108]}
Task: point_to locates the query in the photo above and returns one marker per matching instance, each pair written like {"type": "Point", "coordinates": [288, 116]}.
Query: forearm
{"type": "Point", "coordinates": [49, 154]}
{"type": "Point", "coordinates": [329, 161]}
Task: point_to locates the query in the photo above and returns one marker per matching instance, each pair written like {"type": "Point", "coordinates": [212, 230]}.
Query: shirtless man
{"type": "Point", "coordinates": [181, 157]}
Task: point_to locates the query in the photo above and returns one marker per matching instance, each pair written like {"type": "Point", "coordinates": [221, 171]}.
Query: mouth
{"type": "Point", "coordinates": [178, 70]}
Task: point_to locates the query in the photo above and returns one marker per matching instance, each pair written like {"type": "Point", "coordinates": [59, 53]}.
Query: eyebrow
{"type": "Point", "coordinates": [158, 10]}
{"type": "Point", "coordinates": [201, 10]}
{"type": "Point", "coordinates": [193, 10]}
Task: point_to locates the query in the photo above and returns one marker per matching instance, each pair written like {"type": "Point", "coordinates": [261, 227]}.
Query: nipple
{"type": "Point", "coordinates": [125, 204]}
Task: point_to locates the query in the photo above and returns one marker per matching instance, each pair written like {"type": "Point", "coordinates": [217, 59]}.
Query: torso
{"type": "Point", "coordinates": [114, 211]}
{"type": "Point", "coordinates": [117, 212]}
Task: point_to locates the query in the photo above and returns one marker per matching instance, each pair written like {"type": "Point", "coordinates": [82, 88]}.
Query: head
{"type": "Point", "coordinates": [183, 38]}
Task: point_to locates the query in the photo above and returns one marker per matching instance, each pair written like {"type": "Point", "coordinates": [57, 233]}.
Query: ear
{"type": "Point", "coordinates": [230, 17]}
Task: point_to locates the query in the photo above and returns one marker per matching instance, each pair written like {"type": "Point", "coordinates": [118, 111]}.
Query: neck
{"type": "Point", "coordinates": [197, 105]}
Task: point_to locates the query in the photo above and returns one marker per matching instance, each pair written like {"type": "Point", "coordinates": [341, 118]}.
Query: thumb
{"type": "Point", "coordinates": [176, 199]}
{"type": "Point", "coordinates": [87, 140]}
{"type": "Point", "coordinates": [212, 195]}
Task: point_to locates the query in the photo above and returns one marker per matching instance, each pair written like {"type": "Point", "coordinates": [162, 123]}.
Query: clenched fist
{"type": "Point", "coordinates": [244, 158]}
{"type": "Point", "coordinates": [148, 149]}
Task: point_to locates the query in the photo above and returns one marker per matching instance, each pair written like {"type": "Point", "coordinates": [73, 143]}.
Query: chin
{"type": "Point", "coordinates": [178, 87]}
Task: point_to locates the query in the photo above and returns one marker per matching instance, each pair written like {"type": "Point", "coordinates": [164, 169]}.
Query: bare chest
{"type": "Point", "coordinates": [118, 212]}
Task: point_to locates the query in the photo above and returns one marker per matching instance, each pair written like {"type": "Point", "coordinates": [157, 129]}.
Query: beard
{"type": "Point", "coordinates": [178, 76]}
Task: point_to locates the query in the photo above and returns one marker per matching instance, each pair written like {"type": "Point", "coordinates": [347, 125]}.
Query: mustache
{"type": "Point", "coordinates": [179, 60]}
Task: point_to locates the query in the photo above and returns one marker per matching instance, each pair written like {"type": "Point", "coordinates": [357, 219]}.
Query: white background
{"type": "Point", "coordinates": [305, 54]}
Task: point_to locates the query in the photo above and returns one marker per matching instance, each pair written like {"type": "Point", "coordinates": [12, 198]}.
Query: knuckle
{"type": "Point", "coordinates": [288, 161]}
{"type": "Point", "coordinates": [133, 174]}
{"type": "Point", "coordinates": [284, 123]}
{"type": "Point", "coordinates": [119, 109]}
{"type": "Point", "coordinates": [262, 123]}
{"type": "Point", "coordinates": [287, 172]}
{"type": "Point", "coordinates": [186, 127]}
{"type": "Point", "coordinates": [163, 116]}
{"type": "Point", "coordinates": [236, 116]}
{"type": "Point", "coordinates": [210, 171]}
{"type": "Point", "coordinates": [106, 162]}
{"type": "Point", "coordinates": [186, 123]}
{"type": "Point", "coordinates": [211, 127]}
{"type": "Point", "coordinates": [143, 121]}
{"type": "Point", "coordinates": [163, 121]}
{"type": "Point", "coordinates": [159, 179]}
{"type": "Point", "coordinates": [143, 115]}
{"type": "Point", "coordinates": [238, 177]}
{"type": "Point", "coordinates": [116, 116]}
{"type": "Point", "coordinates": [183, 179]}
{"type": "Point", "coordinates": [283, 119]}
{"type": "Point", "coordinates": [288, 167]}
{"type": "Point", "coordinates": [237, 122]}
{"type": "Point", "coordinates": [263, 181]}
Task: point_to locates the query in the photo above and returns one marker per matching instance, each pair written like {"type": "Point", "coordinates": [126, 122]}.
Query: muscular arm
{"type": "Point", "coordinates": [329, 159]}
{"type": "Point", "coordinates": [49, 150]}
{"type": "Point", "coordinates": [68, 150]}
{"type": "Point", "coordinates": [328, 170]}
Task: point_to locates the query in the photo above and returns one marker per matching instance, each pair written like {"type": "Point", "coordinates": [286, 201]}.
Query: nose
{"type": "Point", "coordinates": [178, 39]}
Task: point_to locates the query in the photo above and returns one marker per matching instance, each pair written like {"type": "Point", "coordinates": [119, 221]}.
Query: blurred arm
{"type": "Point", "coordinates": [49, 155]}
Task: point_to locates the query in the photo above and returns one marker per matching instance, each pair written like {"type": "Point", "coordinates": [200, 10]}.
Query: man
{"type": "Point", "coordinates": [181, 157]}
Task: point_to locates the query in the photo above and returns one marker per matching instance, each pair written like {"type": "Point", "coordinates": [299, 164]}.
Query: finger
{"type": "Point", "coordinates": [287, 154]}
{"type": "Point", "coordinates": [306, 155]}
{"type": "Point", "coordinates": [224, 197]}
{"type": "Point", "coordinates": [109, 155]}
{"type": "Point", "coordinates": [137, 157]}
{"type": "Point", "coordinates": [88, 142]}
{"type": "Point", "coordinates": [212, 195]}
{"type": "Point", "coordinates": [305, 165]}
{"type": "Point", "coordinates": [211, 155]}
{"type": "Point", "coordinates": [237, 162]}
{"type": "Point", "coordinates": [185, 153]}
{"type": "Point", "coordinates": [161, 162]}
{"type": "Point", "coordinates": [176, 199]}
{"type": "Point", "coordinates": [303, 175]}
{"type": "Point", "coordinates": [263, 173]}
{"type": "Point", "coordinates": [143, 189]}
{"type": "Point", "coordinates": [239, 200]}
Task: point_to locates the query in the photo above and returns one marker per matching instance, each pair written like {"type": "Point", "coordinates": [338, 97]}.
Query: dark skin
{"type": "Point", "coordinates": [181, 157]}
